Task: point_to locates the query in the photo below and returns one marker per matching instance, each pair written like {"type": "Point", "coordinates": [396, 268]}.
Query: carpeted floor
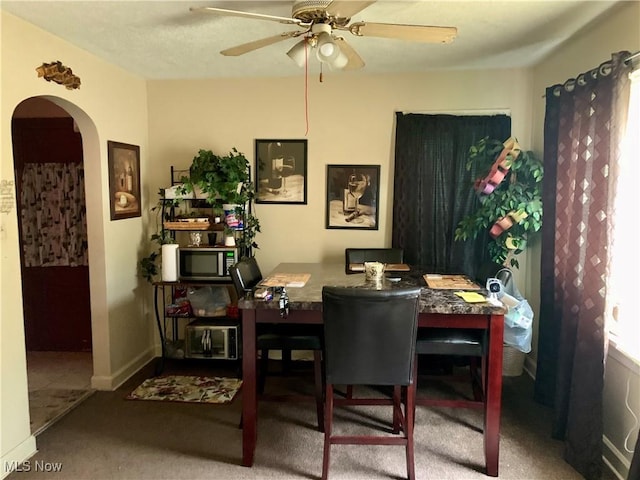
{"type": "Point", "coordinates": [48, 405]}
{"type": "Point", "coordinates": [108, 437]}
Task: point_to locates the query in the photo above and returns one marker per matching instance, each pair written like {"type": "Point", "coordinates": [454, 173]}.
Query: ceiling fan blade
{"type": "Point", "coordinates": [355, 61]}
{"type": "Point", "coordinates": [256, 44]}
{"type": "Point", "coordinates": [415, 33]}
{"type": "Point", "coordinates": [346, 8]}
{"type": "Point", "coordinates": [255, 16]}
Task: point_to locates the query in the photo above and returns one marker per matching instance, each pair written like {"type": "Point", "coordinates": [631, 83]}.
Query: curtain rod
{"type": "Point", "coordinates": [498, 111]}
{"type": "Point", "coordinates": [626, 61]}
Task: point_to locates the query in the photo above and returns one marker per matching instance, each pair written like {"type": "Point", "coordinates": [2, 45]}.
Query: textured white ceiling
{"type": "Point", "coordinates": [164, 40]}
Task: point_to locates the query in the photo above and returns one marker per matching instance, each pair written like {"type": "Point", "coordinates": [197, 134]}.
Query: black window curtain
{"type": "Point", "coordinates": [433, 190]}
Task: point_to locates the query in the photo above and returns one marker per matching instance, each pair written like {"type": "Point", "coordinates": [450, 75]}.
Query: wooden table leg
{"type": "Point", "coordinates": [249, 396]}
{"type": "Point", "coordinates": [494, 395]}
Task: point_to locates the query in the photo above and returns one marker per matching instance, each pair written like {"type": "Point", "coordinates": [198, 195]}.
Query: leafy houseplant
{"type": "Point", "coordinates": [226, 180]}
{"type": "Point", "coordinates": [509, 210]}
{"type": "Point", "coordinates": [222, 180]}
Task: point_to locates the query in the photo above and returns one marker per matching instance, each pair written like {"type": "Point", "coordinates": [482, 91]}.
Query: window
{"type": "Point", "coordinates": [625, 245]}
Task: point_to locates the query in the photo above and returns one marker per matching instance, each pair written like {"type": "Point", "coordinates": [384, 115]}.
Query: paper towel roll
{"type": "Point", "coordinates": [170, 262]}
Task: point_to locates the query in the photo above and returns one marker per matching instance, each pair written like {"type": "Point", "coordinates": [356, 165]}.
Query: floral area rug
{"type": "Point", "coordinates": [180, 388]}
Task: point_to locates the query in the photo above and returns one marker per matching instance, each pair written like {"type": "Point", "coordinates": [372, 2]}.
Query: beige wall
{"type": "Point", "coordinates": [110, 105]}
{"type": "Point", "coordinates": [618, 30]}
{"type": "Point", "coordinates": [351, 120]}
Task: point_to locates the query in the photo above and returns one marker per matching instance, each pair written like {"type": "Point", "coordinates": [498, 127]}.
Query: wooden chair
{"type": "Point", "coordinates": [246, 275]}
{"type": "Point", "coordinates": [469, 343]}
{"type": "Point", "coordinates": [370, 338]}
{"type": "Point", "coordinates": [361, 255]}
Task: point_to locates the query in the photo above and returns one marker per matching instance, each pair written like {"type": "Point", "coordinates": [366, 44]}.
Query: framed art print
{"type": "Point", "coordinates": [124, 180]}
{"type": "Point", "coordinates": [352, 196]}
{"type": "Point", "coordinates": [281, 171]}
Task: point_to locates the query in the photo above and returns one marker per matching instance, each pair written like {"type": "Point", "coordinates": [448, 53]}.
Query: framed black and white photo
{"type": "Point", "coordinates": [124, 180]}
{"type": "Point", "coordinates": [352, 196]}
{"type": "Point", "coordinates": [281, 171]}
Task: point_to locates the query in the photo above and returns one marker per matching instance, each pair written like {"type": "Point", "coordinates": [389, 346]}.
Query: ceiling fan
{"type": "Point", "coordinates": [321, 21]}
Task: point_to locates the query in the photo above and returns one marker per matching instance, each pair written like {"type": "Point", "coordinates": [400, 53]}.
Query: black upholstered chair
{"type": "Point", "coordinates": [246, 275]}
{"type": "Point", "coordinates": [357, 256]}
{"type": "Point", "coordinates": [361, 255]}
{"type": "Point", "coordinates": [370, 338]}
{"type": "Point", "coordinates": [470, 343]}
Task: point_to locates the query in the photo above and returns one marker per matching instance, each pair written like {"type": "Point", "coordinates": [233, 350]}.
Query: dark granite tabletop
{"type": "Point", "coordinates": [309, 297]}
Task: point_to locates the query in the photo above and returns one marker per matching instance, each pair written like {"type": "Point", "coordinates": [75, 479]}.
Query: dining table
{"type": "Point", "coordinates": [439, 308]}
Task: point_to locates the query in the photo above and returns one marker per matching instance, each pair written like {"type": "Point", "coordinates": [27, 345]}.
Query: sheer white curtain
{"type": "Point", "coordinates": [625, 258]}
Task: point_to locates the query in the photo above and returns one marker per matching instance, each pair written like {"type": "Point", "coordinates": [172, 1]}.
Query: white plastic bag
{"type": "Point", "coordinates": [518, 320]}
{"type": "Point", "coordinates": [518, 338]}
{"type": "Point", "coordinates": [519, 315]}
{"type": "Point", "coordinates": [209, 301]}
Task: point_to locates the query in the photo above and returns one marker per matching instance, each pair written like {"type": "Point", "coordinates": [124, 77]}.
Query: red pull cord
{"type": "Point", "coordinates": [306, 88]}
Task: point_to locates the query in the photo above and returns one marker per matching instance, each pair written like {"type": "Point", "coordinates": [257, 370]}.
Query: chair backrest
{"type": "Point", "coordinates": [361, 255]}
{"type": "Point", "coordinates": [245, 275]}
{"type": "Point", "coordinates": [370, 335]}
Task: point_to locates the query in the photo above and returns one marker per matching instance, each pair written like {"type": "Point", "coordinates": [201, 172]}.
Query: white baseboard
{"type": "Point", "coordinates": [111, 382]}
{"type": "Point", "coordinates": [18, 455]}
{"type": "Point", "coordinates": [614, 460]}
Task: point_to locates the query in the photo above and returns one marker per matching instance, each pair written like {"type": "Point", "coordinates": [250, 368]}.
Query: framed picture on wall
{"type": "Point", "coordinates": [124, 180]}
{"type": "Point", "coordinates": [352, 196]}
{"type": "Point", "coordinates": [281, 171]}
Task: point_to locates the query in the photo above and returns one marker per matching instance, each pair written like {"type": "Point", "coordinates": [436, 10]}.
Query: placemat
{"type": "Point", "coordinates": [286, 280]}
{"type": "Point", "coordinates": [450, 282]}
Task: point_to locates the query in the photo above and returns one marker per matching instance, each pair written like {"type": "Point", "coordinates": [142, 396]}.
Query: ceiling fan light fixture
{"type": "Point", "coordinates": [298, 53]}
{"type": "Point", "coordinates": [327, 50]}
{"type": "Point", "coordinates": [340, 61]}
{"type": "Point", "coordinates": [321, 20]}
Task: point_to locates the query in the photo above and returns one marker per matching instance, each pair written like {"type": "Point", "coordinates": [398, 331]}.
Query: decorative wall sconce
{"type": "Point", "coordinates": [56, 72]}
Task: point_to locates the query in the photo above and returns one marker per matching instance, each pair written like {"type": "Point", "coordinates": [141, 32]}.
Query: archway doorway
{"type": "Point", "coordinates": [48, 160]}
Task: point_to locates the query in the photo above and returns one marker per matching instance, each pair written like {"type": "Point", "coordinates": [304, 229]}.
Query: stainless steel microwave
{"type": "Point", "coordinates": [205, 339]}
{"type": "Point", "coordinates": [205, 263]}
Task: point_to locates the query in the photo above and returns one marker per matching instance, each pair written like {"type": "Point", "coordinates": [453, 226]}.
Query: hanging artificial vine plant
{"type": "Point", "coordinates": [510, 202]}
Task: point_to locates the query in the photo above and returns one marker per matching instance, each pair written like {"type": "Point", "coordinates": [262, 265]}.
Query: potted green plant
{"type": "Point", "coordinates": [225, 180]}
{"type": "Point", "coordinates": [221, 178]}
{"type": "Point", "coordinates": [510, 203]}
{"type": "Point", "coordinates": [219, 181]}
